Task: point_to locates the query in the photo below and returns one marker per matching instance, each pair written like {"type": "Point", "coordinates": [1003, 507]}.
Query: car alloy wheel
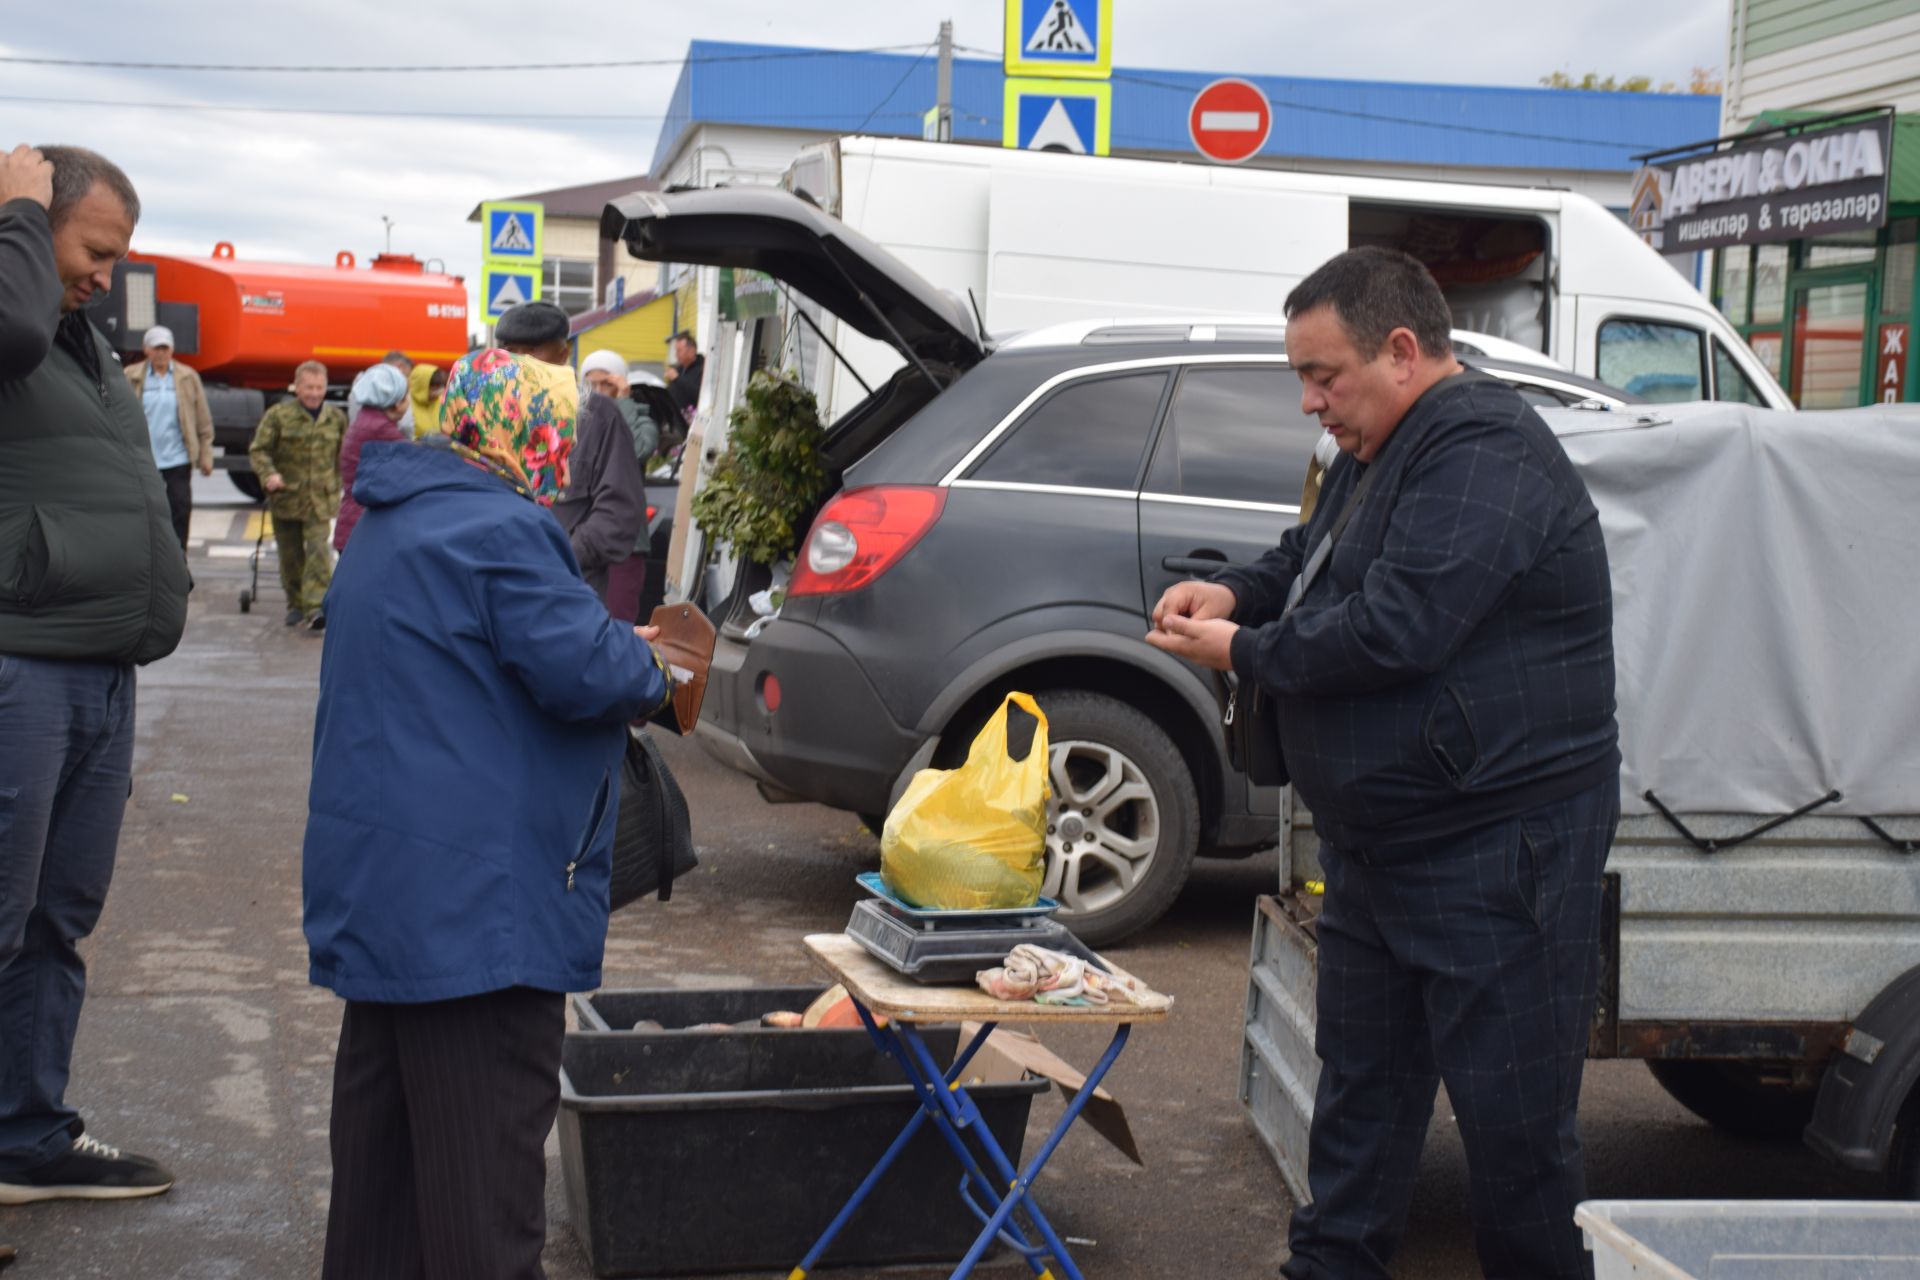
{"type": "Point", "coordinates": [1103, 825]}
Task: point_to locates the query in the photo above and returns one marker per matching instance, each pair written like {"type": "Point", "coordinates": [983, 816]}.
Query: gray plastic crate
{"type": "Point", "coordinates": [1752, 1239]}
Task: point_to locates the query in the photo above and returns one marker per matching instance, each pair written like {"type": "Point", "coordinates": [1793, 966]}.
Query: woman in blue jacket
{"type": "Point", "coordinates": [466, 757]}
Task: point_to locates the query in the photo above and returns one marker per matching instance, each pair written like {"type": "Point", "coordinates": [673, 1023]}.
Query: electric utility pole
{"type": "Point", "coordinates": [943, 93]}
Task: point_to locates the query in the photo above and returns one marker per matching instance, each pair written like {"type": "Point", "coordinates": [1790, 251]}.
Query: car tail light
{"type": "Point", "coordinates": [652, 511]}
{"type": "Point", "coordinates": [861, 534]}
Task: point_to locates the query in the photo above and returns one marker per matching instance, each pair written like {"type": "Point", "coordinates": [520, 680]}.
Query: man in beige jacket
{"type": "Point", "coordinates": [178, 421]}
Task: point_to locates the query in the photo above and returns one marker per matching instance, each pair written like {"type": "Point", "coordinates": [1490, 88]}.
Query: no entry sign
{"type": "Point", "coordinates": [1229, 120]}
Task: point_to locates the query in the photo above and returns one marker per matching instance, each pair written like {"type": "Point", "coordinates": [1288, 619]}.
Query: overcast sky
{"type": "Point", "coordinates": [300, 187]}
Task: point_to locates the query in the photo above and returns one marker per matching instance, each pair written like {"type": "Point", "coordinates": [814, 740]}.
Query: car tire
{"type": "Point", "coordinates": [1100, 747]}
{"type": "Point", "coordinates": [1748, 1099]}
{"type": "Point", "coordinates": [1902, 1178]}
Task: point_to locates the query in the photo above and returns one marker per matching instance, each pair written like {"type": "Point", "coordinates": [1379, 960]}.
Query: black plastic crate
{"type": "Point", "coordinates": [677, 1008]}
{"type": "Point", "coordinates": [690, 1151]}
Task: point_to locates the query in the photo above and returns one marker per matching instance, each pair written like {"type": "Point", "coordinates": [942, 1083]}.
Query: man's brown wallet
{"type": "Point", "coordinates": [686, 642]}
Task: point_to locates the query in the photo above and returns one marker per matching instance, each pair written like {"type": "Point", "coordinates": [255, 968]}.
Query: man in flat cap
{"type": "Point", "coordinates": [179, 424]}
{"type": "Point", "coordinates": [604, 508]}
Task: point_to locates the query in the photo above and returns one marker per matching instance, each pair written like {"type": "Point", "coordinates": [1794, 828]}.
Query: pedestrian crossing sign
{"type": "Point", "coordinates": [513, 231]}
{"type": "Point", "coordinates": [1072, 38]}
{"type": "Point", "coordinates": [504, 287]}
{"type": "Point", "coordinates": [1074, 116]}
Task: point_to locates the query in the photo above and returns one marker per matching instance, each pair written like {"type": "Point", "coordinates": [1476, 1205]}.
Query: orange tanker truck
{"type": "Point", "coordinates": [244, 326]}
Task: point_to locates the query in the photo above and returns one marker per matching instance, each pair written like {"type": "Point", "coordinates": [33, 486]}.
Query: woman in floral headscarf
{"type": "Point", "coordinates": [466, 758]}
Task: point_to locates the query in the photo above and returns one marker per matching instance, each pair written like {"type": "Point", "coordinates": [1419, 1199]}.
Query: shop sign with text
{"type": "Point", "coordinates": [1789, 187]}
{"type": "Point", "coordinates": [1891, 379]}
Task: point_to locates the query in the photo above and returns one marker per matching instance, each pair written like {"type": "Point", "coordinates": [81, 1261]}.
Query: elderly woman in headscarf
{"type": "Point", "coordinates": [426, 385]}
{"type": "Point", "coordinates": [381, 393]}
{"type": "Point", "coordinates": [474, 695]}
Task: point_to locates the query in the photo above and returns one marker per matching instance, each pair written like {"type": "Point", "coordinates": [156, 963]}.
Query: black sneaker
{"type": "Point", "coordinates": [91, 1170]}
{"type": "Point", "coordinates": [318, 622]}
{"type": "Point", "coordinates": [293, 617]}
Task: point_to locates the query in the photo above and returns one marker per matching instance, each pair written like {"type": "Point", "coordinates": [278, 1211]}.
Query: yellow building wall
{"type": "Point", "coordinates": [577, 238]}
{"type": "Point", "coordinates": [638, 337]}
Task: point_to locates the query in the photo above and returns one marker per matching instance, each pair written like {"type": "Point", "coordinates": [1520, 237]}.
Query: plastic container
{"type": "Point", "coordinates": [1752, 1239]}
{"type": "Point", "coordinates": [872, 883]}
{"type": "Point", "coordinates": [712, 1151]}
{"type": "Point", "coordinates": [677, 1009]}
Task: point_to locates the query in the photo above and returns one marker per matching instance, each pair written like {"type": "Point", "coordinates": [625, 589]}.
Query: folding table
{"type": "Point", "coordinates": [906, 1005]}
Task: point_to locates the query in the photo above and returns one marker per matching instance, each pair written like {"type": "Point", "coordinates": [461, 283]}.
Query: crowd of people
{"type": "Point", "coordinates": [1436, 636]}
{"type": "Point", "coordinates": [471, 507]}
{"type": "Point", "coordinates": [306, 453]}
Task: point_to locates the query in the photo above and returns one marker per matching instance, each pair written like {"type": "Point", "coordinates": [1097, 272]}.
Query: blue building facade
{"type": "Point", "coordinates": [1316, 122]}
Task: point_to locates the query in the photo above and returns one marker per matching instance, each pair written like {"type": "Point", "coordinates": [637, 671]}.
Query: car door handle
{"type": "Point", "coordinates": [1194, 564]}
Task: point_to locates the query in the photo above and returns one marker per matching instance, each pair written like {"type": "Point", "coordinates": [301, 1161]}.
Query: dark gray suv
{"type": "Point", "coordinates": [1004, 519]}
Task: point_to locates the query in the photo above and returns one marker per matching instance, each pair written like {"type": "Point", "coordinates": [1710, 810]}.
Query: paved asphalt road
{"type": "Point", "coordinates": [203, 1044]}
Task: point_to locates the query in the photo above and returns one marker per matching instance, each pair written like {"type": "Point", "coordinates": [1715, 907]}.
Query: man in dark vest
{"type": "Point", "coordinates": [1438, 639]}
{"type": "Point", "coordinates": [92, 584]}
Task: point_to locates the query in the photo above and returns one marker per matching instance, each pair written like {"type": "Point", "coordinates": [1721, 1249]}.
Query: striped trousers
{"type": "Point", "coordinates": [440, 1120]}
{"type": "Point", "coordinates": [1471, 959]}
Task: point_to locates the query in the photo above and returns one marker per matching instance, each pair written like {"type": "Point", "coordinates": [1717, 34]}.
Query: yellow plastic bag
{"type": "Point", "coordinates": [973, 838]}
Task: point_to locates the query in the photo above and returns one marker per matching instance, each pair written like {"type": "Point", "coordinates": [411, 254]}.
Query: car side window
{"type": "Point", "coordinates": [1236, 434]}
{"type": "Point", "coordinates": [1540, 397]}
{"type": "Point", "coordinates": [1663, 363]}
{"type": "Point", "coordinates": [1730, 382]}
{"type": "Point", "coordinates": [1088, 435]}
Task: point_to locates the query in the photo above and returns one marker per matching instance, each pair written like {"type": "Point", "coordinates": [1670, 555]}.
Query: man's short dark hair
{"type": "Point", "coordinates": [532, 324]}
{"type": "Point", "coordinates": [75, 171]}
{"type": "Point", "coordinates": [396, 357]}
{"type": "Point", "coordinates": [1375, 291]}
{"type": "Point", "coordinates": [684, 336]}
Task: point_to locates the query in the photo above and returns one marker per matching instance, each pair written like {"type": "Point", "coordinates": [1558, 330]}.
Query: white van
{"type": "Point", "coordinates": [1037, 238]}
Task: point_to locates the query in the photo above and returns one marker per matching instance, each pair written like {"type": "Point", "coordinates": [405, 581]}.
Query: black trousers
{"type": "Point", "coordinates": [179, 482]}
{"type": "Point", "coordinates": [1472, 960]}
{"type": "Point", "coordinates": [440, 1120]}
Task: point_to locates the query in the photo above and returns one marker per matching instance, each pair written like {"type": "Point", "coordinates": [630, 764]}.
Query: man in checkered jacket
{"type": "Point", "coordinates": [1444, 686]}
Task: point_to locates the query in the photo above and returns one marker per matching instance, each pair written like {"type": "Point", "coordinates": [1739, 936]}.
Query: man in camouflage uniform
{"type": "Point", "coordinates": [296, 454]}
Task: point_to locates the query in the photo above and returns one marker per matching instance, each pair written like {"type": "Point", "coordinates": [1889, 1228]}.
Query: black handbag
{"type": "Point", "coordinates": [1251, 723]}
{"type": "Point", "coordinates": [653, 838]}
{"type": "Point", "coordinates": [1249, 715]}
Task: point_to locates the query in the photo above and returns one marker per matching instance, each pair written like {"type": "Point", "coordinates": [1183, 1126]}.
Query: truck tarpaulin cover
{"type": "Point", "coordinates": [1766, 593]}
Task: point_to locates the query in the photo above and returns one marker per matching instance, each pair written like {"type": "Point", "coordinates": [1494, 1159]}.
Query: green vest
{"type": "Point", "coordinates": [89, 564]}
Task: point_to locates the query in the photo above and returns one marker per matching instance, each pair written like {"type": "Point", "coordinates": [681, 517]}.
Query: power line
{"type": "Point", "coordinates": [1380, 117]}
{"type": "Point", "coordinates": [1280, 104]}
{"type": "Point", "coordinates": [496, 117]}
{"type": "Point", "coordinates": [898, 85]}
{"type": "Point", "coordinates": [333, 69]}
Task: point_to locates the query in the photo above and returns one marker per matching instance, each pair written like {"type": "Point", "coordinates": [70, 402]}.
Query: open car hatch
{"type": "Point", "coordinates": [774, 231]}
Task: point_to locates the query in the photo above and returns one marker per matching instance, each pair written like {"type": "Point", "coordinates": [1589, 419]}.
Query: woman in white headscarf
{"type": "Point", "coordinates": [381, 393]}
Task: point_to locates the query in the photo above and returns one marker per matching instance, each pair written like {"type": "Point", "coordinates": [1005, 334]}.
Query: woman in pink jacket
{"type": "Point", "coordinates": [381, 393]}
